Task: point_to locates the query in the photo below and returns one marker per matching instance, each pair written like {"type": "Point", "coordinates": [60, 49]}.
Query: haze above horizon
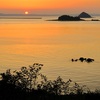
{"type": "Point", "coordinates": [49, 6]}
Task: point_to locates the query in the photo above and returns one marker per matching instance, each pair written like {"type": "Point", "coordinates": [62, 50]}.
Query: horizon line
{"type": "Point", "coordinates": [37, 14]}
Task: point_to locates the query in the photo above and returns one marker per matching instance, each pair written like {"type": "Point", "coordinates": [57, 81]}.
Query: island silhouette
{"type": "Point", "coordinates": [84, 15]}
{"type": "Point", "coordinates": [80, 17]}
{"type": "Point", "coordinates": [68, 18]}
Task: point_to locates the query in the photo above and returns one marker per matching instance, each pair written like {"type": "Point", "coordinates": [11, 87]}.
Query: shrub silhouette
{"type": "Point", "coordinates": [29, 79]}
{"type": "Point", "coordinates": [25, 79]}
{"type": "Point", "coordinates": [30, 83]}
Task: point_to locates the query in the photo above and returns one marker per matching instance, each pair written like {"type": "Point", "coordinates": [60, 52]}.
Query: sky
{"type": "Point", "coordinates": [49, 6]}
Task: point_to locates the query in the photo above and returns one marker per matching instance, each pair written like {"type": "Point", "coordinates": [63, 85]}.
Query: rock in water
{"type": "Point", "coordinates": [84, 15]}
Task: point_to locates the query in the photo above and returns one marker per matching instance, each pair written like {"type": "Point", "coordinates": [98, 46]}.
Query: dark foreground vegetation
{"type": "Point", "coordinates": [30, 84]}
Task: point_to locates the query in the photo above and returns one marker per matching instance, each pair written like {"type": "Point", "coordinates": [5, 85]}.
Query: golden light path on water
{"type": "Point", "coordinates": [26, 41]}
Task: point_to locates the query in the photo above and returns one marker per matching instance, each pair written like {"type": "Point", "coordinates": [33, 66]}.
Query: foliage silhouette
{"type": "Point", "coordinates": [29, 84]}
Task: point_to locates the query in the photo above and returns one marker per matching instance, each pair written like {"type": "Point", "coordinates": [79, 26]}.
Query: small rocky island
{"type": "Point", "coordinates": [68, 18]}
{"type": "Point", "coordinates": [76, 18]}
{"type": "Point", "coordinates": [84, 15]}
{"type": "Point", "coordinates": [82, 59]}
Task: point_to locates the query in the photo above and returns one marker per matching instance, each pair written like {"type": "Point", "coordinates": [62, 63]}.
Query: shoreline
{"type": "Point", "coordinates": [72, 20]}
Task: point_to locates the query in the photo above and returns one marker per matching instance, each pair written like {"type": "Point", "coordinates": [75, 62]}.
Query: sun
{"type": "Point", "coordinates": [26, 12]}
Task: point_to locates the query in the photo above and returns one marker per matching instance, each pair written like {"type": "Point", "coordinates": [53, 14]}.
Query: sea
{"type": "Point", "coordinates": [25, 40]}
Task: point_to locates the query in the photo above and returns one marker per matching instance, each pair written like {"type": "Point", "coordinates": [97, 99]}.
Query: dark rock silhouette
{"type": "Point", "coordinates": [72, 60]}
{"type": "Point", "coordinates": [89, 60]}
{"type": "Point", "coordinates": [68, 18]}
{"type": "Point", "coordinates": [84, 15]}
{"type": "Point", "coordinates": [82, 59]}
{"type": "Point", "coordinates": [76, 59]}
{"type": "Point", "coordinates": [95, 20]}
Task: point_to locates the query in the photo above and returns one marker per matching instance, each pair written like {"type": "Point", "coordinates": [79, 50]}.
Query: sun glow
{"type": "Point", "coordinates": [26, 12]}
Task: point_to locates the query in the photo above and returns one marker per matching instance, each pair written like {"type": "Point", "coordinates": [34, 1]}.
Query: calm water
{"type": "Point", "coordinates": [27, 41]}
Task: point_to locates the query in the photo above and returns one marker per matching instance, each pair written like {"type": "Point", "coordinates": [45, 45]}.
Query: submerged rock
{"type": "Point", "coordinates": [89, 60]}
{"type": "Point", "coordinates": [82, 59]}
{"type": "Point", "coordinates": [95, 20]}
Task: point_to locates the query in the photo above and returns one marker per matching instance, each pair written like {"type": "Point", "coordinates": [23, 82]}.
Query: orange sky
{"type": "Point", "coordinates": [53, 6]}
